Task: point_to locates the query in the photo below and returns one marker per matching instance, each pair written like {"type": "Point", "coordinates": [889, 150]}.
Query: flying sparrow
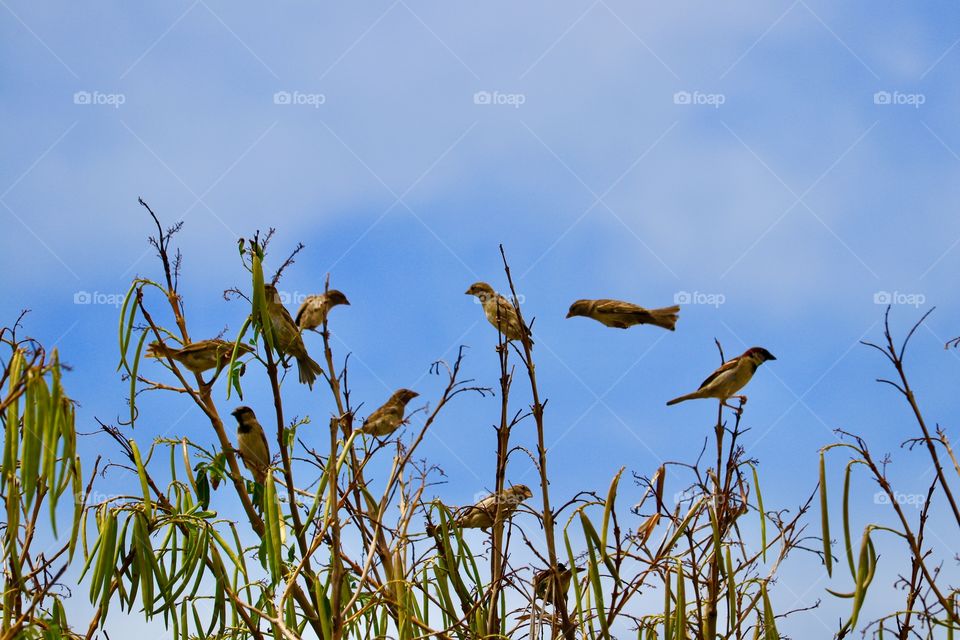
{"type": "Point", "coordinates": [252, 443]}
{"type": "Point", "coordinates": [287, 338]}
{"type": "Point", "coordinates": [623, 315]}
{"type": "Point", "coordinates": [314, 309]}
{"type": "Point", "coordinates": [543, 584]}
{"type": "Point", "coordinates": [499, 311]}
{"type": "Point", "coordinates": [732, 376]}
{"type": "Point", "coordinates": [199, 356]}
{"type": "Point", "coordinates": [389, 417]}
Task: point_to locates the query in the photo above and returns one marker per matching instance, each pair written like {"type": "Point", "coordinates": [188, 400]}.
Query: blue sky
{"type": "Point", "coordinates": [791, 160]}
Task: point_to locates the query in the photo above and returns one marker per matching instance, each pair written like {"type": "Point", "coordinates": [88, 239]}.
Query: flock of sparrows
{"type": "Point", "coordinates": [722, 384]}
{"type": "Point", "coordinates": [287, 332]}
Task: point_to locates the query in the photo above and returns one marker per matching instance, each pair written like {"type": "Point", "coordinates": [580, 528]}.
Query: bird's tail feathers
{"type": "Point", "coordinates": [684, 398]}
{"type": "Point", "coordinates": [666, 317]}
{"type": "Point", "coordinates": [309, 370]}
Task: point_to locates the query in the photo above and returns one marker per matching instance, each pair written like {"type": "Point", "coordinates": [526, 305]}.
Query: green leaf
{"type": "Point", "coordinates": [825, 517]}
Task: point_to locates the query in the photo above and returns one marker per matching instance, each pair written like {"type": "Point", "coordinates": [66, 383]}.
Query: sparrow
{"type": "Point", "coordinates": [314, 309]}
{"type": "Point", "coordinates": [389, 417]}
{"type": "Point", "coordinates": [252, 443]}
{"type": "Point", "coordinates": [732, 376]}
{"type": "Point", "coordinates": [482, 514]}
{"type": "Point", "coordinates": [287, 338]}
{"type": "Point", "coordinates": [199, 356]}
{"type": "Point", "coordinates": [543, 584]}
{"type": "Point", "coordinates": [623, 315]}
{"type": "Point", "coordinates": [499, 312]}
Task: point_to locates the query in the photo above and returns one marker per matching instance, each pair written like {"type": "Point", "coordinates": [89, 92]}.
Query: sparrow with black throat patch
{"type": "Point", "coordinates": [623, 315]}
{"type": "Point", "coordinates": [388, 418]}
{"type": "Point", "coordinates": [252, 443]}
{"type": "Point", "coordinates": [732, 376]}
{"type": "Point", "coordinates": [314, 309]}
{"type": "Point", "coordinates": [287, 338]}
{"type": "Point", "coordinates": [499, 312]}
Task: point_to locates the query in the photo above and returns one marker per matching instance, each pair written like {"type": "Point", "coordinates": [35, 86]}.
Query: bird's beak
{"type": "Point", "coordinates": [569, 314]}
{"type": "Point", "coordinates": [346, 302]}
{"type": "Point", "coordinates": [772, 357]}
{"type": "Point", "coordinates": [468, 292]}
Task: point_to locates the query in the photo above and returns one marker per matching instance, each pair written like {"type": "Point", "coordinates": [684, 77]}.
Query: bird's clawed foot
{"type": "Point", "coordinates": [738, 408]}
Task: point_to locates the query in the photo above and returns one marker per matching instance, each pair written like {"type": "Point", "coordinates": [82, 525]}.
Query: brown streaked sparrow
{"type": "Point", "coordinates": [543, 584]}
{"type": "Point", "coordinates": [389, 417]}
{"type": "Point", "coordinates": [314, 309]}
{"type": "Point", "coordinates": [622, 315]}
{"type": "Point", "coordinates": [499, 312]}
{"type": "Point", "coordinates": [732, 376]}
{"type": "Point", "coordinates": [199, 356]}
{"type": "Point", "coordinates": [287, 338]}
{"type": "Point", "coordinates": [481, 515]}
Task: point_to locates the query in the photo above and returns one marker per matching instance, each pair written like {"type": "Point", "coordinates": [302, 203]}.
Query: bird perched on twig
{"type": "Point", "coordinates": [199, 356]}
{"type": "Point", "coordinates": [287, 338]}
{"type": "Point", "coordinates": [732, 376]}
{"type": "Point", "coordinates": [314, 309]}
{"type": "Point", "coordinates": [499, 311]}
{"type": "Point", "coordinates": [543, 584]}
{"type": "Point", "coordinates": [252, 443]}
{"type": "Point", "coordinates": [482, 514]}
{"type": "Point", "coordinates": [623, 315]}
{"type": "Point", "coordinates": [389, 417]}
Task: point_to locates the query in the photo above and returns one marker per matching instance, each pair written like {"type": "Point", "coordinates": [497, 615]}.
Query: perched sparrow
{"type": "Point", "coordinates": [389, 417]}
{"type": "Point", "coordinates": [199, 356]}
{"type": "Point", "coordinates": [252, 443]}
{"type": "Point", "coordinates": [482, 514]}
{"type": "Point", "coordinates": [732, 376]}
{"type": "Point", "coordinates": [287, 338]}
{"type": "Point", "coordinates": [623, 315]}
{"type": "Point", "coordinates": [543, 584]}
{"type": "Point", "coordinates": [313, 311]}
{"type": "Point", "coordinates": [499, 311]}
